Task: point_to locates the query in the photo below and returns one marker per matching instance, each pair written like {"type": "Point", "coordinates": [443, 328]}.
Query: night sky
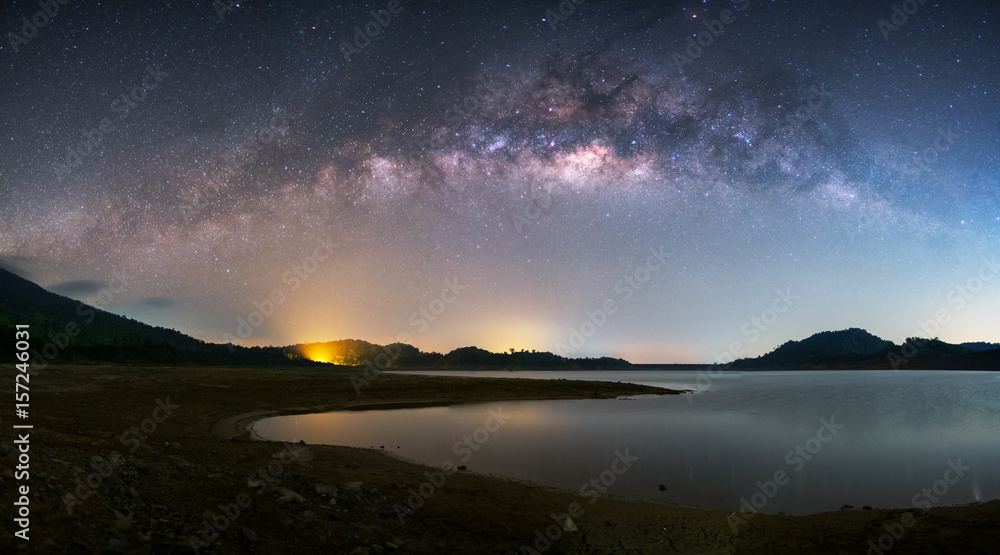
{"type": "Point", "coordinates": [501, 174]}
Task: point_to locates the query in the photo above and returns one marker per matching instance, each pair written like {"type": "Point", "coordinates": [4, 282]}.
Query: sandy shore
{"type": "Point", "coordinates": [153, 460]}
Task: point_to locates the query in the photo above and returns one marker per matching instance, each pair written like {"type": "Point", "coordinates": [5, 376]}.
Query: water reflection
{"type": "Point", "coordinates": [896, 433]}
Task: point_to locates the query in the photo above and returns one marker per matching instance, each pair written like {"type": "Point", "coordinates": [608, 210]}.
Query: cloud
{"type": "Point", "coordinates": [78, 288]}
{"type": "Point", "coordinates": [16, 265]}
{"type": "Point", "coordinates": [157, 302]}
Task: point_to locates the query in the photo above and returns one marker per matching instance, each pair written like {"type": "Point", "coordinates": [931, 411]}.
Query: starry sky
{"type": "Point", "coordinates": [648, 180]}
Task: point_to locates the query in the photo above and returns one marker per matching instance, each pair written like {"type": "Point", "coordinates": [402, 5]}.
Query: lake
{"type": "Point", "coordinates": [793, 442]}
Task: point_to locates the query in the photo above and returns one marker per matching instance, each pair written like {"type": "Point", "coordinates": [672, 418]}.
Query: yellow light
{"type": "Point", "coordinates": [321, 352]}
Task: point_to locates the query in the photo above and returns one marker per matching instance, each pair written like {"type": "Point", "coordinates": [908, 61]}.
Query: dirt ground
{"type": "Point", "coordinates": [155, 460]}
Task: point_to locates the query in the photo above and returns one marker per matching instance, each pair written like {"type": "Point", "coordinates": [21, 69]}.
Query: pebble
{"type": "Point", "coordinates": [324, 489]}
{"type": "Point", "coordinates": [249, 534]}
{"type": "Point", "coordinates": [288, 496]}
{"type": "Point", "coordinates": [352, 486]}
{"type": "Point", "coordinates": [569, 525]}
{"type": "Point", "coordinates": [124, 523]}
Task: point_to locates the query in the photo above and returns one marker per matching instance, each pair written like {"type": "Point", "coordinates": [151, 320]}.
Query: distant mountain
{"type": "Point", "coordinates": [355, 352]}
{"type": "Point", "coordinates": [541, 360]}
{"type": "Point", "coordinates": [23, 302]}
{"type": "Point", "coordinates": [855, 348]}
{"type": "Point", "coordinates": [67, 331]}
{"type": "Point", "coordinates": [981, 346]}
{"type": "Point", "coordinates": [978, 360]}
{"type": "Point", "coordinates": [828, 347]}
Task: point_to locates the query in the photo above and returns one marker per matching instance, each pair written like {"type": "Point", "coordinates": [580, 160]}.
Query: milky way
{"type": "Point", "coordinates": [499, 175]}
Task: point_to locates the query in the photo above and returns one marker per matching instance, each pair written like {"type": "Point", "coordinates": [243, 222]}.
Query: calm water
{"type": "Point", "coordinates": [895, 435]}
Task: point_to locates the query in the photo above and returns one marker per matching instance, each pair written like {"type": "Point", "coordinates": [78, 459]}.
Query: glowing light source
{"type": "Point", "coordinates": [321, 352]}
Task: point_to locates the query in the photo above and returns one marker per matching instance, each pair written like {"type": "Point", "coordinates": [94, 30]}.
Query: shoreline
{"type": "Point", "coordinates": [178, 483]}
{"type": "Point", "coordinates": [242, 424]}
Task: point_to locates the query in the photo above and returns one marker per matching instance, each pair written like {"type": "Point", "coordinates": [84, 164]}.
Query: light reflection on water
{"type": "Point", "coordinates": [900, 430]}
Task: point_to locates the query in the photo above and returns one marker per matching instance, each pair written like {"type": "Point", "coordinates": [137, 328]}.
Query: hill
{"type": "Point", "coordinates": [828, 347]}
{"type": "Point", "coordinates": [981, 346]}
{"type": "Point", "coordinates": [71, 332]}
{"type": "Point", "coordinates": [856, 348]}
{"type": "Point", "coordinates": [355, 352]}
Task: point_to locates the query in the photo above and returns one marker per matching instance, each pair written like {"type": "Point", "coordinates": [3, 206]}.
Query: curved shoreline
{"type": "Point", "coordinates": [192, 460]}
{"type": "Point", "coordinates": [241, 426]}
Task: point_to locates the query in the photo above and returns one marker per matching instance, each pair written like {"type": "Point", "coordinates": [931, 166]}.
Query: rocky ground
{"type": "Point", "coordinates": [153, 460]}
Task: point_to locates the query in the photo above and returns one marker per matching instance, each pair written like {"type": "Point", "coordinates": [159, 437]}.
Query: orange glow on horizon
{"type": "Point", "coordinates": [321, 352]}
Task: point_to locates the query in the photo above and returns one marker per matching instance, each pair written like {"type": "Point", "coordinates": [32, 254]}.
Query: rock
{"type": "Point", "coordinates": [308, 515]}
{"type": "Point", "coordinates": [324, 489]}
{"type": "Point", "coordinates": [117, 543]}
{"type": "Point", "coordinates": [569, 525]}
{"type": "Point", "coordinates": [352, 486]}
{"type": "Point", "coordinates": [123, 523]}
{"type": "Point", "coordinates": [288, 496]}
{"type": "Point", "coordinates": [249, 534]}
{"type": "Point", "coordinates": [181, 463]}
